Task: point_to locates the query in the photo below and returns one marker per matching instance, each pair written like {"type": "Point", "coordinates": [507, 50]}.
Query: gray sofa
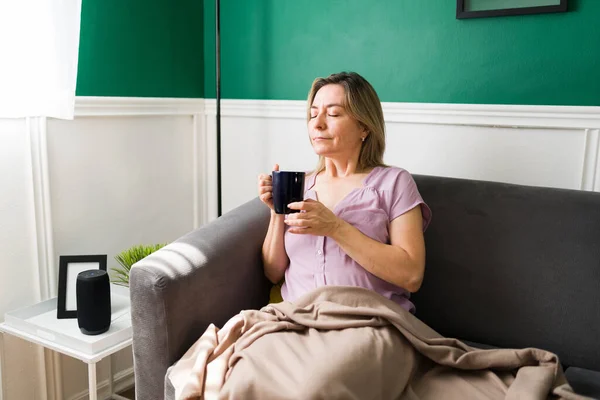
{"type": "Point", "coordinates": [507, 266]}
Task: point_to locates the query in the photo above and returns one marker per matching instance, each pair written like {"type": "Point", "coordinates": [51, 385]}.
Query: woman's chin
{"type": "Point", "coordinates": [322, 153]}
{"type": "Point", "coordinates": [321, 150]}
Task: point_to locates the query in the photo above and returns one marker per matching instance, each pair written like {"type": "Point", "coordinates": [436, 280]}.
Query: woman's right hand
{"type": "Point", "coordinates": [275, 259]}
{"type": "Point", "coordinates": [265, 188]}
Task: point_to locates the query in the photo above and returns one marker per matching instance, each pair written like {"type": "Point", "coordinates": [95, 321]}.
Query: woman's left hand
{"type": "Point", "coordinates": [316, 219]}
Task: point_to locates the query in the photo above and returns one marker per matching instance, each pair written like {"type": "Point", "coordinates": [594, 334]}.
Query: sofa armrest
{"type": "Point", "coordinates": [204, 277]}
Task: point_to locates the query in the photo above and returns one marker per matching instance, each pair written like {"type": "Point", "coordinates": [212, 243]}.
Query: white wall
{"type": "Point", "coordinates": [130, 171]}
{"type": "Point", "coordinates": [19, 281]}
{"type": "Point", "coordinates": [123, 172]}
{"type": "Point", "coordinates": [531, 145]}
{"type": "Point", "coordinates": [116, 182]}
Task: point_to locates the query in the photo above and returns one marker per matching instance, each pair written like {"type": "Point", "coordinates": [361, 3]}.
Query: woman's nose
{"type": "Point", "coordinates": [319, 121]}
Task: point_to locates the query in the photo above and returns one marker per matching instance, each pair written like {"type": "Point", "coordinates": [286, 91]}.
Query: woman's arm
{"type": "Point", "coordinates": [275, 259]}
{"type": "Point", "coordinates": [402, 262]}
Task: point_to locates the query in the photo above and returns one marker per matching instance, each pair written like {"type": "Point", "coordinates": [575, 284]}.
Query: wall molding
{"type": "Point", "coordinates": [89, 106]}
{"type": "Point", "coordinates": [200, 173]}
{"type": "Point", "coordinates": [36, 127]}
{"type": "Point", "coordinates": [591, 161]}
{"type": "Point", "coordinates": [203, 112]}
{"type": "Point", "coordinates": [97, 106]}
{"type": "Point", "coordinates": [455, 114]}
{"type": "Point", "coordinates": [580, 117]}
{"type": "Point", "coordinates": [559, 117]}
{"type": "Point", "coordinates": [50, 365]}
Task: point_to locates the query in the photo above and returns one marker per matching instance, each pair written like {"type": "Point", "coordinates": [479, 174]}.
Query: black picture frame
{"type": "Point", "coordinates": [462, 14]}
{"type": "Point", "coordinates": [69, 267]}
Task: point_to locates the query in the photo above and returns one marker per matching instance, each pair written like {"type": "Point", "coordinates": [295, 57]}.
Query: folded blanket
{"type": "Point", "coordinates": [352, 343]}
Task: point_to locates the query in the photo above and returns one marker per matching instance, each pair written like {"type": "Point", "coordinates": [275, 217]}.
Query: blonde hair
{"type": "Point", "coordinates": [362, 103]}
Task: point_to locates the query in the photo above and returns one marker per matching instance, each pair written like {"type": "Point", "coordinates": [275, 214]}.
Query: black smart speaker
{"type": "Point", "coordinates": [93, 301]}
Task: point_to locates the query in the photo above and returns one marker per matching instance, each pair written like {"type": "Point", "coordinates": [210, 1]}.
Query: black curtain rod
{"type": "Point", "coordinates": [218, 83]}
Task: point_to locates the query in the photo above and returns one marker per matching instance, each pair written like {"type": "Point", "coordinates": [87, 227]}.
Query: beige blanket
{"type": "Point", "coordinates": [351, 343]}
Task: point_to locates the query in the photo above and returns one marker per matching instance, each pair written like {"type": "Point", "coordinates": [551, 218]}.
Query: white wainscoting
{"type": "Point", "coordinates": [22, 365]}
{"type": "Point", "coordinates": [123, 172]}
{"type": "Point", "coordinates": [531, 145]}
{"type": "Point", "coordinates": [141, 170]}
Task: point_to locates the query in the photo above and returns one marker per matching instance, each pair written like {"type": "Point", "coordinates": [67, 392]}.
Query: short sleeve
{"type": "Point", "coordinates": [403, 196]}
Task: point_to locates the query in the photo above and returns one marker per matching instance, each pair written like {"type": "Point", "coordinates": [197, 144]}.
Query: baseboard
{"type": "Point", "coordinates": [122, 381]}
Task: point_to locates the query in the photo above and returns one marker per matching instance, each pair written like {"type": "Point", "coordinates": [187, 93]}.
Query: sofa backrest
{"type": "Point", "coordinates": [513, 266]}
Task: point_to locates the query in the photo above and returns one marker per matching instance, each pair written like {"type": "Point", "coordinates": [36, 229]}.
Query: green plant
{"type": "Point", "coordinates": [127, 258]}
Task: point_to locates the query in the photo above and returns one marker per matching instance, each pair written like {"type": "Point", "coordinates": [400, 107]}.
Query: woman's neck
{"type": "Point", "coordinates": [341, 169]}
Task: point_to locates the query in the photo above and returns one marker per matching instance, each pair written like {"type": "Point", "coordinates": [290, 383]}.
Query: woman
{"type": "Point", "coordinates": [362, 225]}
{"type": "Point", "coordinates": [362, 222]}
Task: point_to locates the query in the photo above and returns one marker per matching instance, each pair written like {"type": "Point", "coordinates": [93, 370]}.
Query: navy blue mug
{"type": "Point", "coordinates": [288, 187]}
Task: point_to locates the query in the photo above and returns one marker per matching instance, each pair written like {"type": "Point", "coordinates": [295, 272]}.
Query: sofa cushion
{"type": "Point", "coordinates": [584, 381]}
{"type": "Point", "coordinates": [514, 266]}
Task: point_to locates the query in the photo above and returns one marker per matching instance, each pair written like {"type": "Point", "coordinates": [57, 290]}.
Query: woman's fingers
{"type": "Point", "coordinates": [265, 196]}
{"type": "Point", "coordinates": [265, 187]}
{"type": "Point", "coordinates": [305, 205]}
{"type": "Point", "coordinates": [296, 222]}
{"type": "Point", "coordinates": [264, 178]}
{"type": "Point", "coordinates": [299, 230]}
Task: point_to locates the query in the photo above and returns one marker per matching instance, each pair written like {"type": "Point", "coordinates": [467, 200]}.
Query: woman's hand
{"type": "Point", "coordinates": [314, 219]}
{"type": "Point", "coordinates": [265, 188]}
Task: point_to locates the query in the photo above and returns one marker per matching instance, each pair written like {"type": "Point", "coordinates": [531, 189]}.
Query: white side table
{"type": "Point", "coordinates": [38, 324]}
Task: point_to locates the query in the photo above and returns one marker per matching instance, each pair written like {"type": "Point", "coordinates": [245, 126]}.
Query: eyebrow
{"type": "Point", "coordinates": [329, 105]}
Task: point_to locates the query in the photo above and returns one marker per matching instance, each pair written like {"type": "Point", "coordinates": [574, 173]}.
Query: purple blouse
{"type": "Point", "coordinates": [315, 261]}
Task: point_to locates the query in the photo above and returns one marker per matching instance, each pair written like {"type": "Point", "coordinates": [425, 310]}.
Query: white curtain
{"type": "Point", "coordinates": [39, 43]}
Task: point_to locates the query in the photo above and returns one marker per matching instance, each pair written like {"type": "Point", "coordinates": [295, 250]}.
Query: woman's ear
{"type": "Point", "coordinates": [363, 128]}
{"type": "Point", "coordinates": [365, 131]}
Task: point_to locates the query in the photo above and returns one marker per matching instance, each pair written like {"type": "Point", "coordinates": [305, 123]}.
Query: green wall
{"type": "Point", "coordinates": [413, 51]}
{"type": "Point", "coordinates": [144, 48]}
